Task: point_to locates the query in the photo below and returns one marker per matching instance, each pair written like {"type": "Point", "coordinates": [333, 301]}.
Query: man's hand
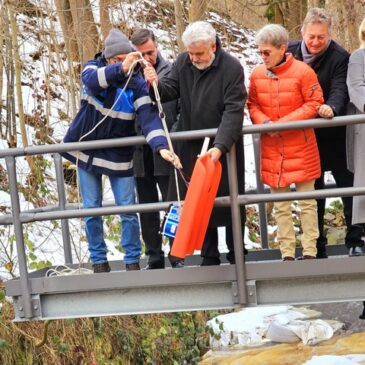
{"type": "Point", "coordinates": [214, 153]}
{"type": "Point", "coordinates": [325, 111]}
{"type": "Point", "coordinates": [170, 157]}
{"type": "Point", "coordinates": [150, 74]}
{"type": "Point", "coordinates": [130, 60]}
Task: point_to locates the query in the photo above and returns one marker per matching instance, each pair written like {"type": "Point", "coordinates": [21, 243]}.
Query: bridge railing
{"type": "Point", "coordinates": [64, 212]}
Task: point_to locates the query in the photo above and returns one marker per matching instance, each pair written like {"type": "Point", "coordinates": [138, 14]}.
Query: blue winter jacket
{"type": "Point", "coordinates": [102, 97]}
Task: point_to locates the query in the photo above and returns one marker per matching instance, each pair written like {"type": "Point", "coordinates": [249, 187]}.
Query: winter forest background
{"type": "Point", "coordinates": [43, 47]}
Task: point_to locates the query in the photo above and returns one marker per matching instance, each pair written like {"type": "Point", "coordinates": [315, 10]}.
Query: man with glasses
{"type": "Point", "coordinates": [150, 170]}
{"type": "Point", "coordinates": [330, 61]}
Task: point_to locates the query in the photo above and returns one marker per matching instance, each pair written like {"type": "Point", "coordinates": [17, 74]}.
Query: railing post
{"type": "Point", "coordinates": [25, 303]}
{"type": "Point", "coordinates": [62, 205]}
{"type": "Point", "coordinates": [236, 225]}
{"type": "Point", "coordinates": [260, 190]}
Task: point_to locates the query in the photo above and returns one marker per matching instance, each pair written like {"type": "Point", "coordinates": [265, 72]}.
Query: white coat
{"type": "Point", "coordinates": [356, 132]}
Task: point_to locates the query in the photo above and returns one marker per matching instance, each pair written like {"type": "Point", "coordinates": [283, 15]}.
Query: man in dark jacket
{"type": "Point", "coordinates": [150, 169]}
{"type": "Point", "coordinates": [110, 100]}
{"type": "Point", "coordinates": [329, 60]}
{"type": "Point", "coordinates": [210, 85]}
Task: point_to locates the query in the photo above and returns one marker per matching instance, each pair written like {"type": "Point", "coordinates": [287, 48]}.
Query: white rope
{"type": "Point", "coordinates": [64, 270]}
{"type": "Point", "coordinates": [129, 73]}
{"type": "Point", "coordinates": [171, 148]}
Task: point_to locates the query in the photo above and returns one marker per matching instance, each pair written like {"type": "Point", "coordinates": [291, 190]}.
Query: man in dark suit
{"type": "Point", "coordinates": [330, 61]}
{"type": "Point", "coordinates": [150, 170]}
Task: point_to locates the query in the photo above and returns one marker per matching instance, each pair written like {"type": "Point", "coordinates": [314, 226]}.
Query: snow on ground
{"type": "Point", "coordinates": [258, 326]}
{"type": "Point", "coordinates": [337, 360]}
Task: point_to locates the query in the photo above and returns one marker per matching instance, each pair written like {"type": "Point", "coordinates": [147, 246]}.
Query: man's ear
{"type": "Point", "coordinates": [214, 47]}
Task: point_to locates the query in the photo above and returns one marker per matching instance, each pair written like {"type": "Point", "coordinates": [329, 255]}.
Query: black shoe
{"type": "Point", "coordinates": [210, 261]}
{"type": "Point", "coordinates": [321, 248]}
{"type": "Point", "coordinates": [104, 267]}
{"type": "Point", "coordinates": [179, 264]}
{"type": "Point", "coordinates": [322, 253]}
{"type": "Point", "coordinates": [288, 258]}
{"type": "Point", "coordinates": [132, 267]}
{"type": "Point", "coordinates": [153, 266]}
{"type": "Point", "coordinates": [356, 251]}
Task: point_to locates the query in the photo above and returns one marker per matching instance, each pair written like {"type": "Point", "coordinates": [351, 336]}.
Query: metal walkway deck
{"type": "Point", "coordinates": [336, 279]}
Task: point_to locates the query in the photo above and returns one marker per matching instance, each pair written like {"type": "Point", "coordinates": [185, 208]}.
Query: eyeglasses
{"type": "Point", "coordinates": [265, 52]}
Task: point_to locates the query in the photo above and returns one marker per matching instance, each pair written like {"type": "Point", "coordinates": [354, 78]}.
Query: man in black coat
{"type": "Point", "coordinates": [330, 61]}
{"type": "Point", "coordinates": [150, 169]}
{"type": "Point", "coordinates": [210, 85]}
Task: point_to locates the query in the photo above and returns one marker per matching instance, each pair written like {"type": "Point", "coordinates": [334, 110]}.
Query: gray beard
{"type": "Point", "coordinates": [203, 66]}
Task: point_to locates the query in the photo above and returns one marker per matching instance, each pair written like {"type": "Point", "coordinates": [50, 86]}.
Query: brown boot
{"type": "Point", "coordinates": [132, 267]}
{"type": "Point", "coordinates": [104, 267]}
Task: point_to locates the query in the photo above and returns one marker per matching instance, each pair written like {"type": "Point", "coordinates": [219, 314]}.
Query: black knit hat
{"type": "Point", "coordinates": [116, 43]}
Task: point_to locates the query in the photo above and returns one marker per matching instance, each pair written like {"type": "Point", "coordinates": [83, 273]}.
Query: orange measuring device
{"type": "Point", "coordinates": [197, 207]}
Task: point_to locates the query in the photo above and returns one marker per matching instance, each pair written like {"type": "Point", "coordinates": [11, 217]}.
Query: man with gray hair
{"type": "Point", "coordinates": [330, 61]}
{"type": "Point", "coordinates": [210, 85]}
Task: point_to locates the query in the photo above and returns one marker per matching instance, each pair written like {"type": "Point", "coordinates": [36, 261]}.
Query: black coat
{"type": "Point", "coordinates": [171, 109]}
{"type": "Point", "coordinates": [331, 70]}
{"type": "Point", "coordinates": [212, 98]}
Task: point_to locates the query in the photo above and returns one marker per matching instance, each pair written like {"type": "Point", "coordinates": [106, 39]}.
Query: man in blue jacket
{"type": "Point", "coordinates": [110, 102]}
{"type": "Point", "coordinates": [330, 61]}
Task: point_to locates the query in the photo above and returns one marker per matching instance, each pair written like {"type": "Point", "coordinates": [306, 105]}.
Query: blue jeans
{"type": "Point", "coordinates": [123, 191]}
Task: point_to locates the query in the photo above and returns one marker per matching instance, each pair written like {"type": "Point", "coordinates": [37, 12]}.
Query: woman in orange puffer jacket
{"type": "Point", "coordinates": [286, 90]}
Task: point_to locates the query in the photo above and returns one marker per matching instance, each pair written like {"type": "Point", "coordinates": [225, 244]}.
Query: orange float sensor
{"type": "Point", "coordinates": [197, 207]}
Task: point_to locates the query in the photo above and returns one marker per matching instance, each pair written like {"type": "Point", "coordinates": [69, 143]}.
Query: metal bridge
{"type": "Point", "coordinates": [261, 278]}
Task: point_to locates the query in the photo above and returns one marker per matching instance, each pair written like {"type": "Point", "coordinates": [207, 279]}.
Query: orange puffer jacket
{"type": "Point", "coordinates": [287, 93]}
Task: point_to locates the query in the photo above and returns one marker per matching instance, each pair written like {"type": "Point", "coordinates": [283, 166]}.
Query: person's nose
{"type": "Point", "coordinates": [194, 58]}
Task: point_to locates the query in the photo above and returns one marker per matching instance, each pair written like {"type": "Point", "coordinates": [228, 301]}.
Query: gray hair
{"type": "Point", "coordinates": [317, 16]}
{"type": "Point", "coordinates": [199, 32]}
{"type": "Point", "coordinates": [362, 34]}
{"type": "Point", "coordinates": [273, 34]}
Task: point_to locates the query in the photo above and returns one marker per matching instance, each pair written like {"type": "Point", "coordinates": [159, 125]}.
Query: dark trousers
{"type": "Point", "coordinates": [210, 252]}
{"type": "Point", "coordinates": [344, 179]}
{"type": "Point", "coordinates": [150, 222]}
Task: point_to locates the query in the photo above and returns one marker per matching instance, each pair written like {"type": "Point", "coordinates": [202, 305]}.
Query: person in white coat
{"type": "Point", "coordinates": [356, 132]}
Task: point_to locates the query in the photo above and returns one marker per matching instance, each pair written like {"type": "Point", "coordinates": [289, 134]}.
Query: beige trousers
{"type": "Point", "coordinates": [308, 218]}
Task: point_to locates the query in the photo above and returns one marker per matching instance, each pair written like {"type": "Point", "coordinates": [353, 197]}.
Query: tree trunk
{"type": "Point", "coordinates": [72, 54]}
{"type": "Point", "coordinates": [291, 14]}
{"type": "Point", "coordinates": [316, 3]}
{"type": "Point", "coordinates": [179, 18]}
{"type": "Point", "coordinates": [105, 24]}
{"type": "Point", "coordinates": [351, 25]}
{"type": "Point", "coordinates": [296, 11]}
{"type": "Point", "coordinates": [86, 32]}
{"type": "Point", "coordinates": [64, 13]}
{"type": "Point", "coordinates": [197, 9]}
{"type": "Point", "coordinates": [346, 18]}
{"type": "Point", "coordinates": [18, 82]}
{"type": "Point", "coordinates": [10, 127]}
{"type": "Point", "coordinates": [2, 10]}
